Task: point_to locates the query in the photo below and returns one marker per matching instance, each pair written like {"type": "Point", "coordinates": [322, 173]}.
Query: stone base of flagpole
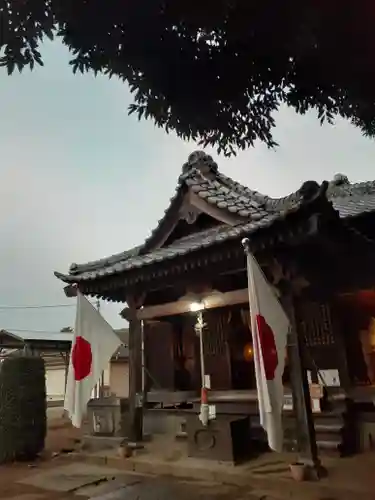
{"type": "Point", "coordinates": [313, 471]}
{"type": "Point", "coordinates": [135, 445]}
{"type": "Point", "coordinates": [127, 448]}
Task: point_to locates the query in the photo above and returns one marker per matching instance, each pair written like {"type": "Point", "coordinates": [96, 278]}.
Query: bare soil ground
{"type": "Point", "coordinates": [61, 437]}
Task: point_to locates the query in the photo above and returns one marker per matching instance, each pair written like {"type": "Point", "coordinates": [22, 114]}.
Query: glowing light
{"type": "Point", "coordinates": [196, 306]}
{"type": "Point", "coordinates": [248, 352]}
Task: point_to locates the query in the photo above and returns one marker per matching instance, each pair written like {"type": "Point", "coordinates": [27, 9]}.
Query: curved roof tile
{"type": "Point", "coordinates": [200, 175]}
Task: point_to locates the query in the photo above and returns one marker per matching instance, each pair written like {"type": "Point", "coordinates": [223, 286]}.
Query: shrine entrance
{"type": "Point", "coordinates": [310, 252]}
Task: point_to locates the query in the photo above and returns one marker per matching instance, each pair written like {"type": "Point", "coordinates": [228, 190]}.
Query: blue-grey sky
{"type": "Point", "coordinates": [80, 179]}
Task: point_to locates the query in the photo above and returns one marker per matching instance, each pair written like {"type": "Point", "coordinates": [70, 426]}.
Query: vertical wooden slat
{"type": "Point", "coordinates": [215, 337]}
{"type": "Point", "coordinates": [159, 362]}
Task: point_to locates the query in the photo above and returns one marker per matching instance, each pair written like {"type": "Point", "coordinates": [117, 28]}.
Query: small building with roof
{"type": "Point", "coordinates": [55, 347]}
{"type": "Point", "coordinates": [316, 247]}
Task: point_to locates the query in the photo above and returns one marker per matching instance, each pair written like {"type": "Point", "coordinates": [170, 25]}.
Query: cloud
{"type": "Point", "coordinates": [80, 180]}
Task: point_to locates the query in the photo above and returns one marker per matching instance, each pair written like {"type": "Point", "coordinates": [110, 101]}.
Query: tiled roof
{"type": "Point", "coordinates": [180, 247]}
{"type": "Point", "coordinates": [39, 336]}
{"type": "Point", "coordinates": [201, 177]}
{"type": "Point", "coordinates": [123, 351]}
{"type": "Point", "coordinates": [225, 194]}
{"type": "Point", "coordinates": [350, 200]}
{"type": "Point", "coordinates": [252, 210]}
{"type": "Point", "coordinates": [354, 205]}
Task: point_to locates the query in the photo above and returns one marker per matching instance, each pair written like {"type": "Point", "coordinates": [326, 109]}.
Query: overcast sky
{"type": "Point", "coordinates": [80, 180]}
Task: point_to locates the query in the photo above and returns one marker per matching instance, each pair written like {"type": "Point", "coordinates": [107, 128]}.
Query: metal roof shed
{"type": "Point", "coordinates": [36, 341]}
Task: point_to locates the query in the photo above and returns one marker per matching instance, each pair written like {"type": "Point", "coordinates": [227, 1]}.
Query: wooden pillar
{"type": "Point", "coordinates": [135, 432]}
{"type": "Point", "coordinates": [305, 431]}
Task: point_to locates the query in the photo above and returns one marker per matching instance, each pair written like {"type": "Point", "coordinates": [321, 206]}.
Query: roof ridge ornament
{"type": "Point", "coordinates": [311, 190]}
{"type": "Point", "coordinates": [340, 186]}
{"type": "Point", "coordinates": [199, 161]}
{"type": "Point", "coordinates": [340, 180]}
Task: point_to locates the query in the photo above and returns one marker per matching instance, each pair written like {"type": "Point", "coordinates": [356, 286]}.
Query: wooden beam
{"type": "Point", "coordinates": [211, 301]}
{"type": "Point", "coordinates": [70, 291]}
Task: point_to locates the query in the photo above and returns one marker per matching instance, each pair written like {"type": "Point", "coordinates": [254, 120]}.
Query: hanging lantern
{"type": "Point", "coordinates": [248, 353]}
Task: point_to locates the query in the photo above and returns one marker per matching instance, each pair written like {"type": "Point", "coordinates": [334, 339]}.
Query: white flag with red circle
{"type": "Point", "coordinates": [93, 345]}
{"type": "Point", "coordinates": [269, 326]}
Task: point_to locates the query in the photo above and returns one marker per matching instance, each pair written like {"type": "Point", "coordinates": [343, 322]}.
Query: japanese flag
{"type": "Point", "coordinates": [93, 345]}
{"type": "Point", "coordinates": [269, 326]}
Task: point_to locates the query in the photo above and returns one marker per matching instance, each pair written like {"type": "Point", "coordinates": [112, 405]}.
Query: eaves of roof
{"type": "Point", "coordinates": [201, 177]}
{"type": "Point", "coordinates": [178, 248]}
{"type": "Point", "coordinates": [191, 243]}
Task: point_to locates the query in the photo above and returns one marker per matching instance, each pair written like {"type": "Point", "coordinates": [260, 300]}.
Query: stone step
{"type": "Point", "coordinates": [332, 427]}
{"type": "Point", "coordinates": [327, 447]}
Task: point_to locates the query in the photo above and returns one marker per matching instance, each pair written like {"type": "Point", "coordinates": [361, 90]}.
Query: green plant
{"type": "Point", "coordinates": [23, 420]}
{"type": "Point", "coordinates": [214, 71]}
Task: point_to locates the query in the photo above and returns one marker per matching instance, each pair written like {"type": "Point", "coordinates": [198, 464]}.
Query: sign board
{"type": "Point", "coordinates": [331, 378]}
{"type": "Point", "coordinates": [316, 394]}
{"type": "Point", "coordinates": [315, 406]}
{"type": "Point", "coordinates": [316, 391]}
{"type": "Point", "coordinates": [211, 412]}
{"type": "Point", "coordinates": [288, 402]}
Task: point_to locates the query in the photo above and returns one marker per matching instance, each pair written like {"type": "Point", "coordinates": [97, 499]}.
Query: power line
{"type": "Point", "coordinates": [48, 306]}
{"type": "Point", "coordinates": [28, 330]}
{"type": "Point", "coordinates": [36, 307]}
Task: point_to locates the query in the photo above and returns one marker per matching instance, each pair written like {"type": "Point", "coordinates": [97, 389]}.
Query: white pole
{"type": "Point", "coordinates": [201, 348]}
{"type": "Point", "coordinates": [204, 412]}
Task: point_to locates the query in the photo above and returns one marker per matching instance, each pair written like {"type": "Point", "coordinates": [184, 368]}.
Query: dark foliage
{"type": "Point", "coordinates": [23, 422]}
{"type": "Point", "coordinates": [212, 70]}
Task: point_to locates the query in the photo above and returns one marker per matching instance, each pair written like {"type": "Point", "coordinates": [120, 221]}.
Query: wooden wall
{"type": "Point", "coordinates": [159, 362]}
{"type": "Point", "coordinates": [172, 355]}
{"type": "Point", "coordinates": [323, 336]}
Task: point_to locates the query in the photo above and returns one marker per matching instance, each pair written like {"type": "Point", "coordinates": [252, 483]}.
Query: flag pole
{"type": "Point", "coordinates": [204, 410]}
{"type": "Point", "coordinates": [306, 439]}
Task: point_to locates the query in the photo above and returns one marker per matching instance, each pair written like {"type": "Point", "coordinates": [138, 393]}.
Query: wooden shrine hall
{"type": "Point", "coordinates": [315, 246]}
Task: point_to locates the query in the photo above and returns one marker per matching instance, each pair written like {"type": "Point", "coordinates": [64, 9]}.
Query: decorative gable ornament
{"type": "Point", "coordinates": [189, 214]}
